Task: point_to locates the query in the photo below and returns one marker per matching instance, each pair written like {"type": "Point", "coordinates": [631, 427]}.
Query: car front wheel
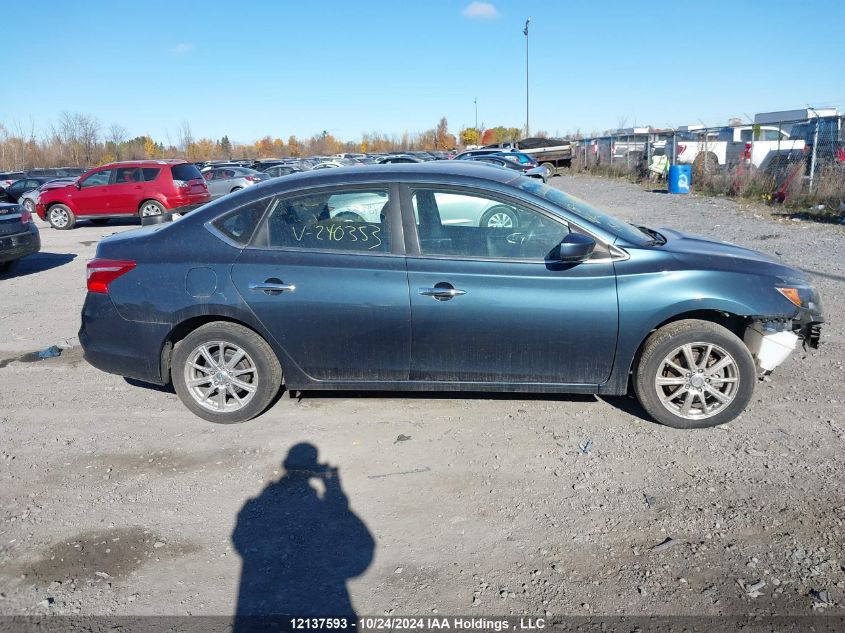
{"type": "Point", "coordinates": [694, 374]}
{"type": "Point", "coordinates": [61, 217]}
{"type": "Point", "coordinates": [225, 373]}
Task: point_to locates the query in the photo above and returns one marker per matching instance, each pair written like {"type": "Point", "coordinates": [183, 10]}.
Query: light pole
{"type": "Point", "coordinates": [525, 32]}
{"type": "Point", "coordinates": [475, 101]}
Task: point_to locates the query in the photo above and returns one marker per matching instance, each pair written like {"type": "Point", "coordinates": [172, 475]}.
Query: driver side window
{"type": "Point", "coordinates": [460, 224]}
{"type": "Point", "coordinates": [97, 179]}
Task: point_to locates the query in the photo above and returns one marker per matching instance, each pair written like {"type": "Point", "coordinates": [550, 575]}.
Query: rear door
{"type": "Point", "coordinates": [490, 304]}
{"type": "Point", "coordinates": [331, 288]}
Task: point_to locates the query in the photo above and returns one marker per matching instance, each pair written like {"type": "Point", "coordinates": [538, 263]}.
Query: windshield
{"type": "Point", "coordinates": [626, 231]}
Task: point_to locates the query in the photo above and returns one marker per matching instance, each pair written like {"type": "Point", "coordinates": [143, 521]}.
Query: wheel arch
{"type": "Point", "coordinates": [188, 325]}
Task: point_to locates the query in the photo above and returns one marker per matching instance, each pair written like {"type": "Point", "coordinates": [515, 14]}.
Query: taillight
{"type": "Point", "coordinates": [681, 148]}
{"type": "Point", "coordinates": [101, 272]}
{"type": "Point", "coordinates": [26, 216]}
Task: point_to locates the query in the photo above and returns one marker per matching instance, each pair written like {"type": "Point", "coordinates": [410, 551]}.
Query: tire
{"type": "Point", "coordinates": [150, 207]}
{"type": "Point", "coordinates": [704, 165]}
{"type": "Point", "coordinates": [99, 221]}
{"type": "Point", "coordinates": [664, 357]}
{"type": "Point", "coordinates": [552, 169]}
{"type": "Point", "coordinates": [29, 205]}
{"type": "Point", "coordinates": [348, 216]}
{"type": "Point", "coordinates": [499, 216]}
{"type": "Point", "coordinates": [8, 265]}
{"type": "Point", "coordinates": [236, 189]}
{"type": "Point", "coordinates": [61, 217]}
{"type": "Point", "coordinates": [259, 368]}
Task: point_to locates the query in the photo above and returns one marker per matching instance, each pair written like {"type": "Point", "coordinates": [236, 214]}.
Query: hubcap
{"type": "Point", "coordinates": [150, 209]}
{"type": "Point", "coordinates": [500, 220]}
{"type": "Point", "coordinates": [58, 217]}
{"type": "Point", "coordinates": [697, 380]}
{"type": "Point", "coordinates": [221, 376]}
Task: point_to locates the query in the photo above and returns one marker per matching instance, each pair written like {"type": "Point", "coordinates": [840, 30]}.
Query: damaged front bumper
{"type": "Point", "coordinates": [771, 341]}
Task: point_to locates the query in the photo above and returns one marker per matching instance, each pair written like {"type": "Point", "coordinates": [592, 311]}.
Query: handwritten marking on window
{"type": "Point", "coordinates": [341, 233]}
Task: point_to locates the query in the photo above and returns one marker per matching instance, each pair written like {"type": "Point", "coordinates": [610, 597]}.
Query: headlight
{"type": "Point", "coordinates": [801, 297]}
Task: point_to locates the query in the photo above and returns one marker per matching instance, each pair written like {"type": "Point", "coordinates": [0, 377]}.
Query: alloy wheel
{"type": "Point", "coordinates": [59, 218]}
{"type": "Point", "coordinates": [500, 220]}
{"type": "Point", "coordinates": [697, 380]}
{"type": "Point", "coordinates": [221, 376]}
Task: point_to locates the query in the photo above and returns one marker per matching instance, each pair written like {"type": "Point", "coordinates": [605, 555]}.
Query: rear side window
{"type": "Point", "coordinates": [186, 172]}
{"type": "Point", "coordinates": [150, 173]}
{"type": "Point", "coordinates": [239, 225]}
{"type": "Point", "coordinates": [340, 220]}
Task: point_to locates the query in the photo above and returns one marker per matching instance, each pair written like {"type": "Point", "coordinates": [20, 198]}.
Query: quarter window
{"type": "Point", "coordinates": [468, 225]}
{"type": "Point", "coordinates": [339, 220]}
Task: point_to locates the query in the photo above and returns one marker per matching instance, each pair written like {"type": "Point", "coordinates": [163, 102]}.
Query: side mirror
{"type": "Point", "coordinates": [576, 248]}
{"type": "Point", "coordinates": [77, 184]}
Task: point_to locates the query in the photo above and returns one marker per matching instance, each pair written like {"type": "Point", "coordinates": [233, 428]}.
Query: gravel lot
{"type": "Point", "coordinates": [115, 500]}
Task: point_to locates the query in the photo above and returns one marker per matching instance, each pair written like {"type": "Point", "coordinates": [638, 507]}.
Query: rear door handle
{"type": "Point", "coordinates": [442, 294]}
{"type": "Point", "coordinates": [272, 286]}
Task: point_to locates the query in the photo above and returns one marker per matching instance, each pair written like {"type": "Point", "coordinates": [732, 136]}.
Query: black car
{"type": "Point", "coordinates": [533, 172]}
{"type": "Point", "coordinates": [13, 192]}
{"type": "Point", "coordinates": [399, 158]}
{"type": "Point", "coordinates": [19, 236]}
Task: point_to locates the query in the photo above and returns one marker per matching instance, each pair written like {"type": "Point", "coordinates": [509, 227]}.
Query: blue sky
{"type": "Point", "coordinates": [283, 67]}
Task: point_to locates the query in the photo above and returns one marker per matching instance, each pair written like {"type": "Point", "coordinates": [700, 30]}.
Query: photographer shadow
{"type": "Point", "coordinates": [298, 547]}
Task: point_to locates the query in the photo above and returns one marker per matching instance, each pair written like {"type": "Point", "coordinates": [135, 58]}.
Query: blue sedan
{"type": "Point", "coordinates": [438, 276]}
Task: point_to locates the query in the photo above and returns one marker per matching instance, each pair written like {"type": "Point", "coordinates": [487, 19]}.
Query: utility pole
{"type": "Point", "coordinates": [525, 32]}
{"type": "Point", "coordinates": [475, 101]}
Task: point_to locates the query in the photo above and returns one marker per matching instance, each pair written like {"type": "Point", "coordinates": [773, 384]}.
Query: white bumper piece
{"type": "Point", "coordinates": [769, 347]}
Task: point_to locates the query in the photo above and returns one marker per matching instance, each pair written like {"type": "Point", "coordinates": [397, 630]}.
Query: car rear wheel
{"type": "Point", "coordinates": [29, 205]}
{"type": "Point", "coordinates": [225, 373]}
{"type": "Point", "coordinates": [234, 189]}
{"type": "Point", "coordinates": [499, 216]}
{"type": "Point", "coordinates": [552, 169]}
{"type": "Point", "coordinates": [694, 374]}
{"type": "Point", "coordinates": [151, 207]}
{"type": "Point", "coordinates": [61, 217]}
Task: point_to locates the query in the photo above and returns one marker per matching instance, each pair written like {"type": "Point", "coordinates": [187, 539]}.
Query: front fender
{"type": "Point", "coordinates": [648, 299]}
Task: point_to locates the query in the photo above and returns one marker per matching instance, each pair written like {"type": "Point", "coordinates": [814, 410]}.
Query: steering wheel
{"type": "Point", "coordinates": [521, 237]}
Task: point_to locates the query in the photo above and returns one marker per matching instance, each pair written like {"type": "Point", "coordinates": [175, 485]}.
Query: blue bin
{"type": "Point", "coordinates": [680, 177]}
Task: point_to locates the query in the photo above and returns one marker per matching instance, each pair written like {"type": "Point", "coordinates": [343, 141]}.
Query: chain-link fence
{"type": "Point", "coordinates": [799, 158]}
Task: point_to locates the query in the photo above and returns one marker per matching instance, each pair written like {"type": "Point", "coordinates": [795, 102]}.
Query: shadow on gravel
{"type": "Point", "coordinates": [440, 395]}
{"type": "Point", "coordinates": [629, 405]}
{"type": "Point", "coordinates": [818, 273]}
{"type": "Point", "coordinates": [36, 263]}
{"type": "Point", "coordinates": [148, 385]}
{"type": "Point", "coordinates": [299, 547]}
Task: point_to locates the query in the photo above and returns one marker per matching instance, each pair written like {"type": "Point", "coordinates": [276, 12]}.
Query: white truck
{"type": "Point", "coordinates": [756, 145]}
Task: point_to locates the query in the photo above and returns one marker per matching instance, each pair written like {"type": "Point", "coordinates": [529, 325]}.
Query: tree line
{"type": "Point", "coordinates": [80, 140]}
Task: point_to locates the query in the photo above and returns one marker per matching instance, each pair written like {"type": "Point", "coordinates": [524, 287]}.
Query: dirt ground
{"type": "Point", "coordinates": [116, 500]}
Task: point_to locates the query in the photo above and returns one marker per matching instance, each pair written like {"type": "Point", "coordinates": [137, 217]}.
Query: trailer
{"type": "Point", "coordinates": [552, 153]}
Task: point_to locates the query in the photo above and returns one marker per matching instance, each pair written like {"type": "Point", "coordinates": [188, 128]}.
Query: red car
{"type": "Point", "coordinates": [141, 187]}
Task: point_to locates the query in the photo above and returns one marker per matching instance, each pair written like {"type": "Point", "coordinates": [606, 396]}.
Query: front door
{"type": "Point", "coordinates": [490, 304]}
{"type": "Point", "coordinates": [93, 195]}
{"type": "Point", "coordinates": [327, 280]}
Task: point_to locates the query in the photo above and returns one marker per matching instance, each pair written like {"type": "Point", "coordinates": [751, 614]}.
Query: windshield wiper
{"type": "Point", "coordinates": [657, 238]}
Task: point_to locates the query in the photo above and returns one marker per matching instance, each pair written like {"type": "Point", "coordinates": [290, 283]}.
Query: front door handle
{"type": "Point", "coordinates": [272, 286]}
{"type": "Point", "coordinates": [441, 293]}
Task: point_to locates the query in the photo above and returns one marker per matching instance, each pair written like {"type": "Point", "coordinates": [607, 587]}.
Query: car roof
{"type": "Point", "coordinates": [146, 163]}
{"type": "Point", "coordinates": [432, 170]}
